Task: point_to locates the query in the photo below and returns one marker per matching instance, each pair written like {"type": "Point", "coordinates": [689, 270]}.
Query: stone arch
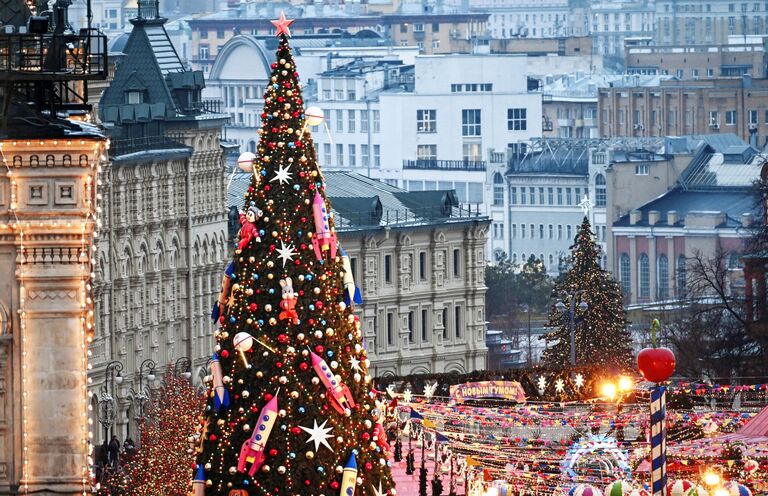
{"type": "Point", "coordinates": [388, 373]}
{"type": "Point", "coordinates": [173, 252]}
{"type": "Point", "coordinates": [126, 262]}
{"type": "Point", "coordinates": [142, 258]}
{"type": "Point", "coordinates": [158, 256]}
{"type": "Point", "coordinates": [5, 321]}
{"type": "Point", "coordinates": [195, 252]}
{"type": "Point", "coordinates": [405, 240]}
{"type": "Point", "coordinates": [101, 267]}
{"type": "Point", "coordinates": [223, 238]}
{"type": "Point", "coordinates": [455, 368]}
{"type": "Point", "coordinates": [439, 237]}
{"type": "Point", "coordinates": [97, 436]}
{"type": "Point", "coordinates": [419, 369]}
{"type": "Point", "coordinates": [204, 254]}
{"type": "Point", "coordinates": [214, 255]}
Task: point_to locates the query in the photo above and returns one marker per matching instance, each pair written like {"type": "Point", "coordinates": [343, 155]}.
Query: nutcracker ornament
{"type": "Point", "coordinates": [248, 229]}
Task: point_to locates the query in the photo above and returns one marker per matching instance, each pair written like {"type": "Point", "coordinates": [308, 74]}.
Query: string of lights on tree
{"type": "Point", "coordinates": [291, 409]}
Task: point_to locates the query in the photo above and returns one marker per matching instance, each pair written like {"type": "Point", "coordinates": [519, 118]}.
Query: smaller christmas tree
{"type": "Point", "coordinates": [599, 318]}
{"type": "Point", "coordinates": [161, 464]}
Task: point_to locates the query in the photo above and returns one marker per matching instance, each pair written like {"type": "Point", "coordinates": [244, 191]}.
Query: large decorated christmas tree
{"type": "Point", "coordinates": [599, 319]}
{"type": "Point", "coordinates": [291, 408]}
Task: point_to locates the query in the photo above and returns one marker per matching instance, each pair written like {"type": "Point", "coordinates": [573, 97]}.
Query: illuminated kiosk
{"type": "Point", "coordinates": [49, 160]}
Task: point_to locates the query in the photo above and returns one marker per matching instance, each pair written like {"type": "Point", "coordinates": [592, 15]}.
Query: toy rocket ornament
{"type": "Point", "coordinates": [338, 393]}
{"type": "Point", "coordinates": [351, 292]}
{"type": "Point", "coordinates": [253, 448]}
{"type": "Point", "coordinates": [349, 477]}
{"type": "Point", "coordinates": [323, 240]}
{"type": "Point", "coordinates": [198, 482]}
{"type": "Point", "coordinates": [220, 393]}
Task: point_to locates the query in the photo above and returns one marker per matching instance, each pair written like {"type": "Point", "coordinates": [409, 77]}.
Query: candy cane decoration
{"type": "Point", "coordinates": [658, 440]}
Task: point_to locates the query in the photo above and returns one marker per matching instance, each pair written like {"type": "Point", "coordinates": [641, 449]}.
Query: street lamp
{"type": "Point", "coordinates": [142, 395]}
{"type": "Point", "coordinates": [183, 367]}
{"type": "Point", "coordinates": [571, 308]}
{"type": "Point", "coordinates": [107, 403]}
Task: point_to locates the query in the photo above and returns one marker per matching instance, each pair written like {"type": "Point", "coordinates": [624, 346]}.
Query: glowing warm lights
{"type": "Point", "coordinates": [625, 384]}
{"type": "Point", "coordinates": [721, 492]}
{"type": "Point", "coordinates": [608, 390]}
{"type": "Point", "coordinates": [711, 478]}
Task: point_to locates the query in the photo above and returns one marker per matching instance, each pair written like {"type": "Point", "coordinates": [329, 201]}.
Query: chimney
{"type": "Point", "coordinates": [635, 216]}
{"type": "Point", "coordinates": [747, 220]}
{"type": "Point", "coordinates": [653, 217]}
{"type": "Point", "coordinates": [672, 218]}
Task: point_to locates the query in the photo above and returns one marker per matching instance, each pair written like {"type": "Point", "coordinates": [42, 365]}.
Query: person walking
{"type": "Point", "coordinates": [113, 451]}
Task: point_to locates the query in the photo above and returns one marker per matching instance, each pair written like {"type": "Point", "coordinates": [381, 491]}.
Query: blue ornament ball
{"type": "Point", "coordinates": [320, 470]}
{"type": "Point", "coordinates": [296, 187]}
{"type": "Point", "coordinates": [292, 455]}
{"type": "Point", "coordinates": [261, 232]}
{"type": "Point", "coordinates": [232, 320]}
{"type": "Point", "coordinates": [330, 353]}
{"type": "Point", "coordinates": [283, 428]}
{"type": "Point", "coordinates": [302, 409]}
{"type": "Point", "coordinates": [271, 290]}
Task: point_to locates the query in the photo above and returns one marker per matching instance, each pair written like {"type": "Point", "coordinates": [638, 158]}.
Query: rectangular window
{"type": "Point", "coordinates": [730, 118]}
{"type": "Point", "coordinates": [327, 154]}
{"type": "Point", "coordinates": [470, 122]}
{"type": "Point", "coordinates": [338, 95]}
{"type": "Point", "coordinates": [568, 230]}
{"type": "Point", "coordinates": [559, 196]}
{"type": "Point", "coordinates": [363, 121]}
{"type": "Point", "coordinates": [410, 327]}
{"type": "Point", "coordinates": [532, 195]}
{"type": "Point", "coordinates": [513, 195]}
{"type": "Point", "coordinates": [516, 119]}
{"type": "Point", "coordinates": [390, 329]}
{"type": "Point", "coordinates": [532, 230]}
{"type": "Point", "coordinates": [426, 121]}
{"type": "Point", "coordinates": [457, 320]}
{"type": "Point", "coordinates": [752, 117]}
{"type": "Point", "coordinates": [551, 196]}
{"type": "Point", "coordinates": [445, 323]}
{"type": "Point", "coordinates": [376, 155]}
{"type": "Point", "coordinates": [426, 152]}
{"type": "Point", "coordinates": [472, 152]}
{"type": "Point", "coordinates": [714, 118]}
{"type": "Point", "coordinates": [339, 154]}
{"type": "Point", "coordinates": [551, 231]}
{"type": "Point", "coordinates": [388, 269]}
{"type": "Point", "coordinates": [340, 120]}
{"type": "Point", "coordinates": [568, 198]}
{"type": "Point", "coordinates": [351, 121]}
{"type": "Point", "coordinates": [541, 196]}
{"type": "Point", "coordinates": [423, 265]}
{"type": "Point", "coordinates": [642, 170]}
{"type": "Point", "coordinates": [376, 121]}
{"type": "Point", "coordinates": [456, 262]}
{"type": "Point", "coordinates": [541, 231]}
{"type": "Point", "coordinates": [352, 155]}
{"type": "Point", "coordinates": [424, 326]}
{"type": "Point", "coordinates": [364, 156]}
{"type": "Point", "coordinates": [559, 231]}
{"type": "Point", "coordinates": [523, 196]}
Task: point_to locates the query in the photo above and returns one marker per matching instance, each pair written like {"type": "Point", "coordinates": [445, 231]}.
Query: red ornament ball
{"type": "Point", "coordinates": [267, 396]}
{"type": "Point", "coordinates": [279, 365]}
{"type": "Point", "coordinates": [319, 348]}
{"type": "Point", "coordinates": [334, 485]}
{"type": "Point", "coordinates": [224, 354]}
{"type": "Point", "coordinates": [253, 307]}
{"type": "Point", "coordinates": [303, 366]}
{"type": "Point", "coordinates": [282, 338]}
{"type": "Point", "coordinates": [366, 436]}
{"type": "Point", "coordinates": [212, 437]}
{"type": "Point", "coordinates": [368, 465]}
{"type": "Point", "coordinates": [295, 431]}
{"type": "Point", "coordinates": [656, 364]}
{"type": "Point", "coordinates": [273, 452]}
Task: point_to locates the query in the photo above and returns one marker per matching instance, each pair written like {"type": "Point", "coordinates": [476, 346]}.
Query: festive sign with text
{"type": "Point", "coordinates": [508, 390]}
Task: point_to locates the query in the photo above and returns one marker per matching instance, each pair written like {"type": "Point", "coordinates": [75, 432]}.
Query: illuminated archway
{"type": "Point", "coordinates": [596, 449]}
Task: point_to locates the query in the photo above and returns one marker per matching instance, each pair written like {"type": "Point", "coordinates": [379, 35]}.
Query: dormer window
{"type": "Point", "coordinates": [134, 97]}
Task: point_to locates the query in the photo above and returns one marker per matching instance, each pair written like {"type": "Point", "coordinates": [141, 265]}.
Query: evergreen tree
{"type": "Point", "coordinates": [161, 464]}
{"type": "Point", "coordinates": [601, 333]}
{"type": "Point", "coordinates": [291, 407]}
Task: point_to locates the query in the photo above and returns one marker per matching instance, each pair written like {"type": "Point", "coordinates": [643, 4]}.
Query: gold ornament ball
{"type": "Point", "coordinates": [339, 469]}
{"type": "Point", "coordinates": [315, 381]}
{"type": "Point", "coordinates": [241, 410]}
{"type": "Point", "coordinates": [207, 466]}
{"type": "Point", "coordinates": [301, 277]}
{"type": "Point", "coordinates": [334, 364]}
{"type": "Point", "coordinates": [294, 394]}
{"type": "Point", "coordinates": [265, 468]}
{"type": "Point", "coordinates": [310, 455]}
{"type": "Point", "coordinates": [342, 306]}
{"type": "Point", "coordinates": [280, 469]}
{"type": "Point", "coordinates": [245, 394]}
{"type": "Point", "coordinates": [220, 422]}
{"type": "Point", "coordinates": [283, 379]}
{"type": "Point", "coordinates": [329, 332]}
{"type": "Point", "coordinates": [259, 374]}
{"type": "Point", "coordinates": [282, 412]}
{"type": "Point", "coordinates": [304, 353]}
{"type": "Point", "coordinates": [268, 307]}
{"type": "Point", "coordinates": [318, 334]}
{"type": "Point", "coordinates": [368, 424]}
{"type": "Point", "coordinates": [300, 336]}
{"type": "Point", "coordinates": [271, 264]}
{"type": "Point", "coordinates": [232, 470]}
{"type": "Point", "coordinates": [224, 334]}
{"type": "Point", "coordinates": [208, 483]}
{"type": "Point", "coordinates": [339, 439]}
{"type": "Point", "coordinates": [249, 321]}
{"type": "Point", "coordinates": [372, 446]}
{"type": "Point", "coordinates": [272, 321]}
{"type": "Point", "coordinates": [282, 61]}
{"type": "Point", "coordinates": [270, 276]}
{"type": "Point", "coordinates": [316, 290]}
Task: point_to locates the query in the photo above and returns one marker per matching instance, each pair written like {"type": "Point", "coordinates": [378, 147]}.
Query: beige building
{"type": "Point", "coordinates": [668, 107]}
{"type": "Point", "coordinates": [708, 22]}
{"type": "Point", "coordinates": [419, 261]}
{"type": "Point", "coordinates": [699, 61]}
{"type": "Point", "coordinates": [165, 241]}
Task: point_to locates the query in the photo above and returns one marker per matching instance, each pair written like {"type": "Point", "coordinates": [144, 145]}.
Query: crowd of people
{"type": "Point", "coordinates": [110, 456]}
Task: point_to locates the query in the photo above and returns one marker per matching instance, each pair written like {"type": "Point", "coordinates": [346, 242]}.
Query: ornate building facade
{"type": "Point", "coordinates": [164, 239]}
{"type": "Point", "coordinates": [419, 261]}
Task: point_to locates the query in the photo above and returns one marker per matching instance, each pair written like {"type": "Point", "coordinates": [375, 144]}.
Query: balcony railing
{"type": "Point", "coordinates": [461, 165]}
{"type": "Point", "coordinates": [347, 221]}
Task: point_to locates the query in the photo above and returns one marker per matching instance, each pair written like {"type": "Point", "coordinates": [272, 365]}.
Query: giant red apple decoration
{"type": "Point", "coordinates": [656, 364]}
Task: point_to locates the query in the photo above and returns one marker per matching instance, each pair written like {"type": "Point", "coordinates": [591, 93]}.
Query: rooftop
{"type": "Point", "coordinates": [361, 203]}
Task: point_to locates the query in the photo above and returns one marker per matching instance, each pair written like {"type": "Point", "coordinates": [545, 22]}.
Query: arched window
{"type": "Point", "coordinates": [680, 276]}
{"type": "Point", "coordinates": [644, 277]}
{"type": "Point", "coordinates": [498, 189]}
{"type": "Point", "coordinates": [252, 146]}
{"type": "Point", "coordinates": [625, 274]}
{"type": "Point", "coordinates": [600, 190]}
{"type": "Point", "coordinates": [662, 272]}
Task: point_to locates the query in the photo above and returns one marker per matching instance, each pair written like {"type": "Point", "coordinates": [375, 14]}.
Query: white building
{"type": "Point", "coordinates": [614, 21]}
{"type": "Point", "coordinates": [527, 19]}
